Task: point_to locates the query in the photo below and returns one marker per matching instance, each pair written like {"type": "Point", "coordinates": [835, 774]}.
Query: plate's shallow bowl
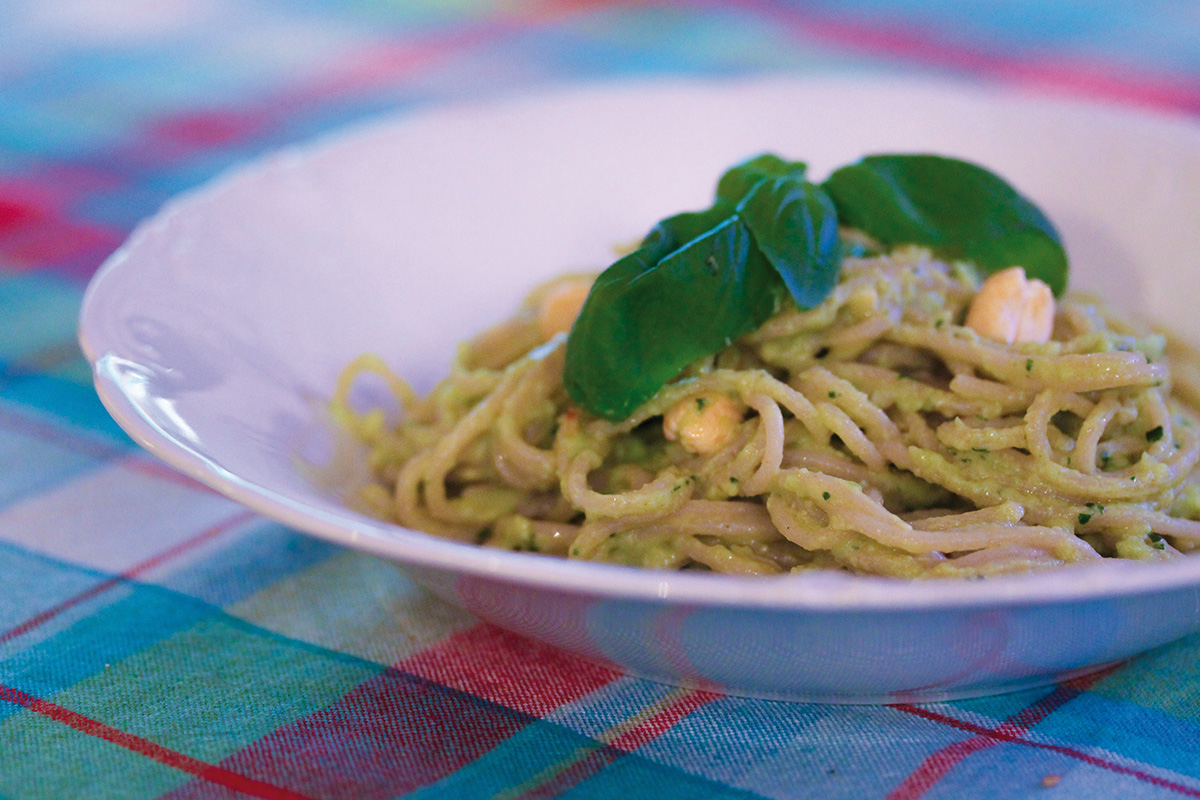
{"type": "Point", "coordinates": [218, 330]}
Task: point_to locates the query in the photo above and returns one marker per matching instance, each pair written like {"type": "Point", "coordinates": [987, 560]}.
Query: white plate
{"type": "Point", "coordinates": [218, 329]}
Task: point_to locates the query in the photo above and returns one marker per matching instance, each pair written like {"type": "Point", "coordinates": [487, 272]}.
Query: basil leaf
{"type": "Point", "coordinates": [674, 232]}
{"type": "Point", "coordinates": [737, 181]}
{"type": "Point", "coordinates": [796, 226]}
{"type": "Point", "coordinates": [646, 319]}
{"type": "Point", "coordinates": [698, 281]}
{"type": "Point", "coordinates": [959, 209]}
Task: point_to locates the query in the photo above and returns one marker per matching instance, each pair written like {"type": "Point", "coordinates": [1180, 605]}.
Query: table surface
{"type": "Point", "coordinates": [157, 640]}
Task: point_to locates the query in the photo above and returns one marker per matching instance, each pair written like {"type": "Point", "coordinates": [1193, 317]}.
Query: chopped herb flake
{"type": "Point", "coordinates": [1154, 434]}
{"type": "Point", "coordinates": [825, 495]}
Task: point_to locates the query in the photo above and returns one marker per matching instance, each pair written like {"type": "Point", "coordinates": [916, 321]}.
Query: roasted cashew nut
{"type": "Point", "coordinates": [1011, 308]}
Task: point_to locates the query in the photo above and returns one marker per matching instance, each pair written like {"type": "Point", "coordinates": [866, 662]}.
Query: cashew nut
{"type": "Point", "coordinates": [1011, 308]}
{"type": "Point", "coordinates": [559, 308]}
{"type": "Point", "coordinates": [703, 423]}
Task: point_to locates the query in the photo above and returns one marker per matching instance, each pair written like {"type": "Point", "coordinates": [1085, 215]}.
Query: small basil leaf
{"type": "Point", "coordinates": [958, 209]}
{"type": "Point", "coordinates": [643, 322]}
{"type": "Point", "coordinates": [796, 226]}
{"type": "Point", "coordinates": [737, 181]}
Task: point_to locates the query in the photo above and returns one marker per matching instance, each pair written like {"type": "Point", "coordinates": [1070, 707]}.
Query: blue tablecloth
{"type": "Point", "coordinates": [157, 640]}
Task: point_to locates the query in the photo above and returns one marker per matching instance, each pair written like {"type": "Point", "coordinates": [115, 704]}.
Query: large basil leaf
{"type": "Point", "coordinates": [795, 225]}
{"type": "Point", "coordinates": [648, 315]}
{"type": "Point", "coordinates": [958, 209]}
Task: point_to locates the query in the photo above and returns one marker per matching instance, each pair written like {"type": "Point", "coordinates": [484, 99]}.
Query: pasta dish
{"type": "Point", "coordinates": [925, 418]}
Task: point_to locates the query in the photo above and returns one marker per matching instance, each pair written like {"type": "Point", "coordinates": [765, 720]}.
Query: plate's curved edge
{"type": "Point", "coordinates": [814, 592]}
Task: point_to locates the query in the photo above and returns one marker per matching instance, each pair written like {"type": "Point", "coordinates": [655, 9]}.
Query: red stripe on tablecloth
{"type": "Point", "coordinates": [1012, 731]}
{"type": "Point", "coordinates": [430, 715]}
{"type": "Point", "coordinates": [178, 549]}
{"type": "Point", "coordinates": [207, 128]}
{"type": "Point", "coordinates": [36, 224]}
{"type": "Point", "coordinates": [52, 239]}
{"type": "Point", "coordinates": [388, 736]}
{"type": "Point", "coordinates": [15, 214]}
{"type": "Point", "coordinates": [33, 231]}
{"type": "Point", "coordinates": [937, 765]}
{"type": "Point", "coordinates": [924, 45]}
{"type": "Point", "coordinates": [381, 65]}
{"type": "Point", "coordinates": [663, 721]}
{"type": "Point", "coordinates": [163, 755]}
{"type": "Point", "coordinates": [66, 438]}
{"type": "Point", "coordinates": [372, 68]}
{"type": "Point", "coordinates": [55, 185]}
{"type": "Point", "coordinates": [591, 760]}
{"type": "Point", "coordinates": [1087, 758]}
{"type": "Point", "coordinates": [483, 661]}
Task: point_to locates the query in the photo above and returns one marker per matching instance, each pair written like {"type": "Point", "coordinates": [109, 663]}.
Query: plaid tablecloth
{"type": "Point", "coordinates": [157, 640]}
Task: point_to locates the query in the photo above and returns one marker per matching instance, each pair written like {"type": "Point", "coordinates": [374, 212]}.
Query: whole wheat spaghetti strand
{"type": "Point", "coordinates": [1092, 430]}
{"type": "Point", "coordinates": [1071, 372]}
{"type": "Point", "coordinates": [721, 558]}
{"type": "Point", "coordinates": [771, 426]}
{"type": "Point", "coordinates": [442, 456]}
{"type": "Point", "coordinates": [1003, 513]}
{"type": "Point", "coordinates": [520, 463]}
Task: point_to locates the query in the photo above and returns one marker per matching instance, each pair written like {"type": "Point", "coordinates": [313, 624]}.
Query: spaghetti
{"type": "Point", "coordinates": [874, 433]}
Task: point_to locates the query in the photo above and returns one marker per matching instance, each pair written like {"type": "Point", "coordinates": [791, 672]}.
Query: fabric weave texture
{"type": "Point", "coordinates": [159, 641]}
